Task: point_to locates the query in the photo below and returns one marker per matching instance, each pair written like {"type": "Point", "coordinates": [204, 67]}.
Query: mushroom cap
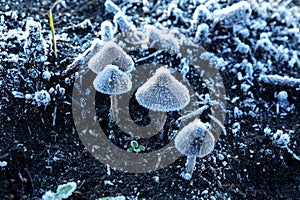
{"type": "Point", "coordinates": [162, 92]}
{"type": "Point", "coordinates": [112, 81]}
{"type": "Point", "coordinates": [195, 140]}
{"type": "Point", "coordinates": [111, 54]}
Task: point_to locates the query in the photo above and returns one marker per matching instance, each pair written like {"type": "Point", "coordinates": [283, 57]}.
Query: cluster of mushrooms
{"type": "Point", "coordinates": [161, 92]}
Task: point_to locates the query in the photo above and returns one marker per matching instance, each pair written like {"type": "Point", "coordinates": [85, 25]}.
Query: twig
{"type": "Point", "coordinates": [280, 80]}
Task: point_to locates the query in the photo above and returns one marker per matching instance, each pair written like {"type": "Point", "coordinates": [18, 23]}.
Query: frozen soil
{"type": "Point", "coordinates": [43, 150]}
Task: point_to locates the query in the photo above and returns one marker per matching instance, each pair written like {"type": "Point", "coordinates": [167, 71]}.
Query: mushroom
{"type": "Point", "coordinates": [112, 54]}
{"type": "Point", "coordinates": [194, 140]}
{"type": "Point", "coordinates": [112, 81]}
{"type": "Point", "coordinates": [162, 92]}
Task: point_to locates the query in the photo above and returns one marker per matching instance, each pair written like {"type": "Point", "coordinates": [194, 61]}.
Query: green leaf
{"type": "Point", "coordinates": [134, 144]}
{"type": "Point", "coordinates": [141, 148]}
{"type": "Point", "coordinates": [136, 150]}
{"type": "Point", "coordinates": [131, 149]}
{"type": "Point", "coordinates": [65, 190]}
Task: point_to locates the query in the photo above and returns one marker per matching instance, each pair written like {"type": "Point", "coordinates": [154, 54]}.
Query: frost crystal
{"type": "Point", "coordinates": [35, 45]}
{"type": "Point", "coordinates": [3, 163]}
{"type": "Point", "coordinates": [164, 41]}
{"type": "Point", "coordinates": [264, 44]}
{"type": "Point", "coordinates": [42, 98]}
{"type": "Point", "coordinates": [201, 14]}
{"type": "Point", "coordinates": [123, 23]}
{"type": "Point", "coordinates": [112, 7]}
{"type": "Point", "coordinates": [46, 75]}
{"type": "Point", "coordinates": [233, 14]}
{"type": "Point", "coordinates": [202, 32]}
{"type": "Point", "coordinates": [107, 32]}
{"type": "Point", "coordinates": [281, 139]}
{"type": "Point", "coordinates": [280, 80]}
{"type": "Point", "coordinates": [282, 99]}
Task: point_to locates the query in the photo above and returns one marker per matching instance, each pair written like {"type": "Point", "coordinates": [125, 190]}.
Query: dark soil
{"type": "Point", "coordinates": [43, 151]}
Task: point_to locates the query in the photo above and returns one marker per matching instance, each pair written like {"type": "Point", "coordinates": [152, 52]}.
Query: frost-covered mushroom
{"type": "Point", "coordinates": [112, 81]}
{"type": "Point", "coordinates": [194, 140]}
{"type": "Point", "coordinates": [162, 92]}
{"type": "Point", "coordinates": [111, 54]}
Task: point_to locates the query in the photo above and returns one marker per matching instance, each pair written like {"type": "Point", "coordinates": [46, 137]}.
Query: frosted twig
{"type": "Point", "coordinates": [280, 80]}
{"type": "Point", "coordinates": [293, 154]}
{"type": "Point", "coordinates": [151, 55]}
{"type": "Point", "coordinates": [199, 111]}
{"type": "Point", "coordinates": [219, 123]}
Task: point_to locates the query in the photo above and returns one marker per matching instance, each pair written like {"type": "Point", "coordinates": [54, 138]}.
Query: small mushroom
{"type": "Point", "coordinates": [162, 92]}
{"type": "Point", "coordinates": [194, 140]}
{"type": "Point", "coordinates": [112, 81]}
{"type": "Point", "coordinates": [111, 54]}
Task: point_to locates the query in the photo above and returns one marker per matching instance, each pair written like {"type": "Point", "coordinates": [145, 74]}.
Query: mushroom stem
{"type": "Point", "coordinates": [189, 167]}
{"type": "Point", "coordinates": [113, 113]}
{"type": "Point", "coordinates": [159, 118]}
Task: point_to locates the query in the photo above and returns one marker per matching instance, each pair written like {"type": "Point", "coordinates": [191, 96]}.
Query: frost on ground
{"type": "Point", "coordinates": [254, 44]}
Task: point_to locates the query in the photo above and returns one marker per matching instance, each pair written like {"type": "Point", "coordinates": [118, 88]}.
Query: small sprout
{"type": "Point", "coordinates": [136, 147]}
{"type": "Point", "coordinates": [63, 192]}
{"type": "Point", "coordinates": [111, 54]}
{"type": "Point", "coordinates": [194, 140]}
{"type": "Point", "coordinates": [53, 41]}
{"type": "Point", "coordinates": [107, 32]}
{"type": "Point", "coordinates": [162, 92]}
{"type": "Point", "coordinates": [112, 81]}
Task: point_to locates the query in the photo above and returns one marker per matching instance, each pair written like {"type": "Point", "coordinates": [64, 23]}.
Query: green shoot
{"type": "Point", "coordinates": [135, 147]}
{"type": "Point", "coordinates": [53, 41]}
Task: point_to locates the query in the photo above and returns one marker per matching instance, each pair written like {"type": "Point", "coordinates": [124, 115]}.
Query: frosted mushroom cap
{"type": "Point", "coordinates": [111, 54]}
{"type": "Point", "coordinates": [195, 140]}
{"type": "Point", "coordinates": [112, 81]}
{"type": "Point", "coordinates": [162, 92]}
